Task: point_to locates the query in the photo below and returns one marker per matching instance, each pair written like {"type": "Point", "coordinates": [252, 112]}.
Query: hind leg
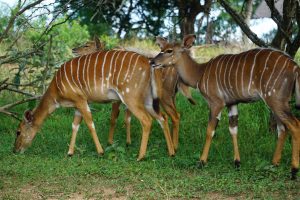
{"type": "Point", "coordinates": [146, 121]}
{"type": "Point", "coordinates": [163, 122]}
{"type": "Point", "coordinates": [127, 124]}
{"type": "Point", "coordinates": [114, 115]}
{"type": "Point", "coordinates": [75, 126]}
{"type": "Point", "coordinates": [282, 134]}
{"type": "Point", "coordinates": [293, 126]}
{"type": "Point", "coordinates": [170, 109]}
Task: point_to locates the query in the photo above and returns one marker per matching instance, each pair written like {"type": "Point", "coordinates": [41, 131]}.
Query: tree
{"type": "Point", "coordinates": [285, 39]}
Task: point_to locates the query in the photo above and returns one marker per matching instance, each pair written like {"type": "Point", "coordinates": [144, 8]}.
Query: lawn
{"type": "Point", "coordinates": [45, 171]}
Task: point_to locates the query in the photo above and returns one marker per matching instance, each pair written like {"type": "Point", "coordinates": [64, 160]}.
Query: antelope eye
{"type": "Point", "coordinates": [18, 133]}
{"type": "Point", "coordinates": [169, 51]}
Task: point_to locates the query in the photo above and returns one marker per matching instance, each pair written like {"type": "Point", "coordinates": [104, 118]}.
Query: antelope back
{"type": "Point", "coordinates": [258, 73]}
{"type": "Point", "coordinates": [103, 76]}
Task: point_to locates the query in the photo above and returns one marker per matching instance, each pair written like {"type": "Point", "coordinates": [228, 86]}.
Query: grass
{"type": "Point", "coordinates": [45, 170]}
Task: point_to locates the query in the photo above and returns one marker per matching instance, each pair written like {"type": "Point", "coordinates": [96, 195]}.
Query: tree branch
{"type": "Point", "coordinates": [245, 28]}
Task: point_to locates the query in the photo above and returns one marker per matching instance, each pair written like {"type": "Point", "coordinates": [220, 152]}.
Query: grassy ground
{"type": "Point", "coordinates": [46, 172]}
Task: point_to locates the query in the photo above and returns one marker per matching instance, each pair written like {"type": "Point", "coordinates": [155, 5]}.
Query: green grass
{"type": "Point", "coordinates": [45, 171]}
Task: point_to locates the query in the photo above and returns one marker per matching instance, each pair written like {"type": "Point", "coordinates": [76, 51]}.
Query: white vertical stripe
{"type": "Point", "coordinates": [121, 68]}
{"type": "Point", "coordinates": [273, 70]}
{"type": "Point", "coordinates": [236, 76]}
{"type": "Point", "coordinates": [78, 73]}
{"type": "Point", "coordinates": [68, 79]}
{"type": "Point", "coordinates": [208, 75]}
{"type": "Point", "coordinates": [219, 77]}
{"type": "Point", "coordinates": [61, 78]}
{"type": "Point", "coordinates": [231, 89]}
{"type": "Point", "coordinates": [95, 66]}
{"type": "Point", "coordinates": [114, 70]}
{"type": "Point", "coordinates": [83, 75]}
{"type": "Point", "coordinates": [133, 70]}
{"type": "Point", "coordinates": [262, 74]}
{"type": "Point", "coordinates": [88, 75]}
{"type": "Point", "coordinates": [280, 73]}
{"type": "Point", "coordinates": [103, 66]}
{"type": "Point", "coordinates": [242, 76]}
{"type": "Point", "coordinates": [72, 72]}
{"type": "Point", "coordinates": [109, 72]}
{"type": "Point", "coordinates": [57, 83]}
{"type": "Point", "coordinates": [128, 67]}
{"type": "Point", "coordinates": [224, 79]}
{"type": "Point", "coordinates": [251, 74]}
{"type": "Point", "coordinates": [217, 81]}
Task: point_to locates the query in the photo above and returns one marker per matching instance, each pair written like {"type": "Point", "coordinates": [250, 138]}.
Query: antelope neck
{"type": "Point", "coordinates": [189, 70]}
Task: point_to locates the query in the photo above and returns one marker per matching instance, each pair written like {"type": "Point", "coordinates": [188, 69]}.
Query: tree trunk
{"type": "Point", "coordinates": [209, 32]}
{"type": "Point", "coordinates": [188, 11]}
{"type": "Point", "coordinates": [247, 17]}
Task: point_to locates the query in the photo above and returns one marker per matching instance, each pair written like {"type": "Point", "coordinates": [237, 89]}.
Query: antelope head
{"type": "Point", "coordinates": [172, 53]}
{"type": "Point", "coordinates": [25, 133]}
{"type": "Point", "coordinates": [89, 47]}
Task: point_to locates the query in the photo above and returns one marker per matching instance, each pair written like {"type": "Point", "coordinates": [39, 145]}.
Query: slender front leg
{"type": "Point", "coordinates": [114, 115]}
{"type": "Point", "coordinates": [84, 109]}
{"type": "Point", "coordinates": [75, 126]}
{"type": "Point", "coordinates": [127, 124]}
{"type": "Point", "coordinates": [233, 129]}
{"type": "Point", "coordinates": [215, 111]}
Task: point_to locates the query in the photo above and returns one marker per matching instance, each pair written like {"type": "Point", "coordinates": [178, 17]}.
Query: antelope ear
{"type": "Point", "coordinates": [28, 116]}
{"type": "Point", "coordinates": [161, 41]}
{"type": "Point", "coordinates": [98, 43]}
{"type": "Point", "coordinates": [188, 40]}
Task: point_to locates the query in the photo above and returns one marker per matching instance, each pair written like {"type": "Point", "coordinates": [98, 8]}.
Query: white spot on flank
{"type": "Point", "coordinates": [140, 68]}
{"type": "Point", "coordinates": [93, 125]}
{"type": "Point", "coordinates": [269, 93]}
{"type": "Point", "coordinates": [127, 90]}
{"type": "Point", "coordinates": [127, 80]}
{"type": "Point", "coordinates": [75, 127]}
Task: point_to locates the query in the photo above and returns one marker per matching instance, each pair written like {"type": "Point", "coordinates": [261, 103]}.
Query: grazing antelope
{"type": "Point", "coordinates": [170, 85]}
{"type": "Point", "coordinates": [103, 76]}
{"type": "Point", "coordinates": [230, 79]}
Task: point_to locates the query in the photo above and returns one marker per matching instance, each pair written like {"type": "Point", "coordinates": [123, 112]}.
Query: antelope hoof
{"type": "Point", "coordinates": [201, 164]}
{"type": "Point", "coordinates": [70, 154]}
{"type": "Point", "coordinates": [140, 158]}
{"type": "Point", "coordinates": [294, 173]}
{"type": "Point", "coordinates": [237, 164]}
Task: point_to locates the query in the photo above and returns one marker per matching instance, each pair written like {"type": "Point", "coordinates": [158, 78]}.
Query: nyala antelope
{"type": "Point", "coordinates": [230, 79]}
{"type": "Point", "coordinates": [103, 76]}
{"type": "Point", "coordinates": [170, 85]}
